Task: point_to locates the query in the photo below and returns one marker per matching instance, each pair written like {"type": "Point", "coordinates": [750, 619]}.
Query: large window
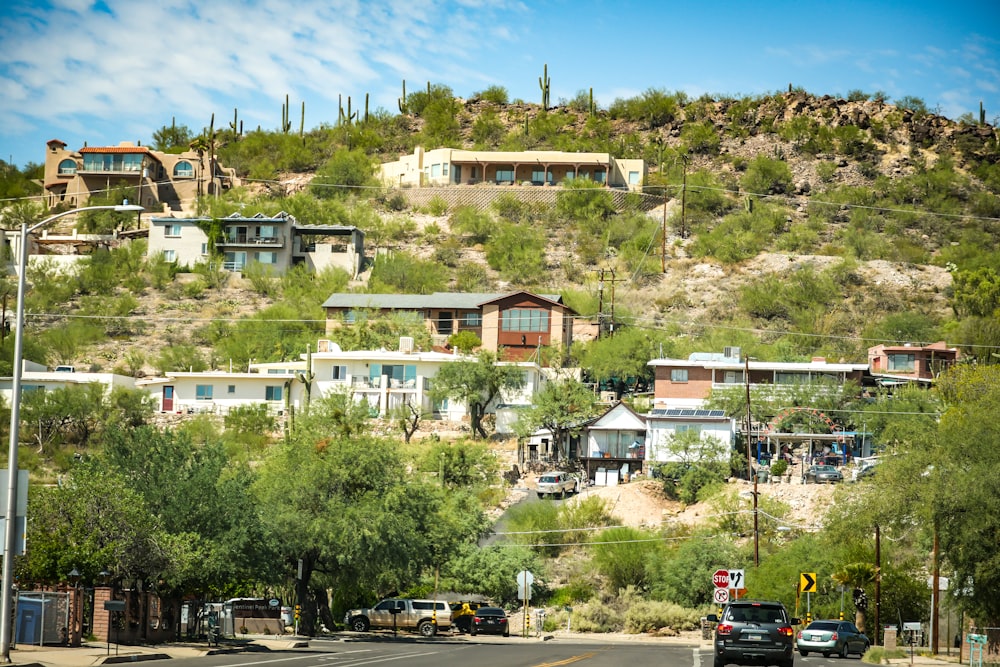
{"type": "Point", "coordinates": [505, 174]}
{"type": "Point", "coordinates": [67, 167]}
{"type": "Point", "coordinates": [183, 169]}
{"type": "Point", "coordinates": [266, 257]}
{"type": "Point", "coordinates": [112, 162]}
{"type": "Point", "coordinates": [902, 362]}
{"type": "Point", "coordinates": [678, 375]}
{"type": "Point", "coordinates": [169, 255]}
{"type": "Point", "coordinates": [272, 392]}
{"type": "Point", "coordinates": [538, 176]}
{"type": "Point", "coordinates": [203, 392]}
{"type": "Point", "coordinates": [525, 319]}
{"type": "Point", "coordinates": [400, 375]}
{"type": "Point", "coordinates": [472, 320]}
{"type": "Point", "coordinates": [633, 178]}
{"type": "Point", "coordinates": [339, 374]}
{"type": "Point", "coordinates": [791, 378]}
{"type": "Point", "coordinates": [172, 230]}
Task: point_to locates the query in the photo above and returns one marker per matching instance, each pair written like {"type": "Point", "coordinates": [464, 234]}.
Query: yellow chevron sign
{"type": "Point", "coordinates": [807, 582]}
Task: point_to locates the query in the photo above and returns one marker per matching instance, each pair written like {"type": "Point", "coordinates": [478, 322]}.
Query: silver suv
{"type": "Point", "coordinates": [754, 632]}
{"type": "Point", "coordinates": [557, 483]}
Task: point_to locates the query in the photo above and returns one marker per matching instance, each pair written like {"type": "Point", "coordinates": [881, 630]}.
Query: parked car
{"type": "Point", "coordinates": [490, 621]}
{"type": "Point", "coordinates": [753, 632]}
{"type": "Point", "coordinates": [462, 613]}
{"type": "Point", "coordinates": [424, 616]}
{"type": "Point", "coordinates": [829, 637]}
{"type": "Point", "coordinates": [866, 472]}
{"type": "Point", "coordinates": [823, 473]}
{"type": "Point", "coordinates": [557, 483]}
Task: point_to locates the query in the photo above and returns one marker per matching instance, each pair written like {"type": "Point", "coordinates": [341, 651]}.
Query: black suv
{"type": "Point", "coordinates": [754, 632]}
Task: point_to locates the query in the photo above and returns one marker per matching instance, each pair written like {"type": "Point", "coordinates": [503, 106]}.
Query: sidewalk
{"type": "Point", "coordinates": [100, 654]}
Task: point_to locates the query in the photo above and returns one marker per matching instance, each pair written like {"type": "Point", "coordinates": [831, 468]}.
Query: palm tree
{"type": "Point", "coordinates": [200, 146]}
{"type": "Point", "coordinates": [857, 576]}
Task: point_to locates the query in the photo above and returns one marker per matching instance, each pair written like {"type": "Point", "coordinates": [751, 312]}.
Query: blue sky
{"type": "Point", "coordinates": [117, 70]}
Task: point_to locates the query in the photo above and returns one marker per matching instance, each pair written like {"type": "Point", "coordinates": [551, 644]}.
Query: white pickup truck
{"type": "Point", "coordinates": [557, 483]}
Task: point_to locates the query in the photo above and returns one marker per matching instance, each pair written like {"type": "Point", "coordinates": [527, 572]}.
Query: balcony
{"type": "Point", "coordinates": [250, 240]}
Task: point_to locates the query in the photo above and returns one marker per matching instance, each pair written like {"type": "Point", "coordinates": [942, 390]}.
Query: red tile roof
{"type": "Point", "coordinates": [114, 149]}
{"type": "Point", "coordinates": [55, 141]}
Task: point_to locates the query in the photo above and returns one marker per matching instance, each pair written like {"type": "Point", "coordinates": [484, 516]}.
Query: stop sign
{"type": "Point", "coordinates": [721, 578]}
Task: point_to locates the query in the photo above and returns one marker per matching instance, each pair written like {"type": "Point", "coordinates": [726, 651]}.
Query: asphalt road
{"type": "Point", "coordinates": [486, 652]}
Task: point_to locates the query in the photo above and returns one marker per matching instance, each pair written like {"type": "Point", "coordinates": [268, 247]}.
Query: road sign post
{"type": "Point", "coordinates": [721, 595]}
{"type": "Point", "coordinates": [807, 585]}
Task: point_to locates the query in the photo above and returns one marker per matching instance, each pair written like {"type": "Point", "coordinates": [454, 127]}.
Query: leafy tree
{"type": "Point", "coordinates": [494, 94]}
{"type": "Point", "coordinates": [407, 417]}
{"type": "Point", "coordinates": [766, 175]}
{"type": "Point", "coordinates": [582, 199]}
{"type": "Point", "coordinates": [476, 383]}
{"type": "Point", "coordinates": [173, 139]}
{"type": "Point", "coordinates": [563, 407]}
{"type": "Point", "coordinates": [488, 130]}
{"type": "Point", "coordinates": [621, 556]}
{"type": "Point", "coordinates": [402, 272]}
{"type": "Point", "coordinates": [370, 331]}
{"type": "Point", "coordinates": [474, 224]}
{"type": "Point", "coordinates": [679, 574]}
{"type": "Point", "coordinates": [624, 355]}
{"type": "Point", "coordinates": [490, 571]}
{"type": "Point", "coordinates": [463, 464]}
{"type": "Point", "coordinates": [465, 341]}
{"type": "Point", "coordinates": [347, 172]}
{"type": "Point", "coordinates": [92, 521]}
{"type": "Point", "coordinates": [517, 252]}
{"type": "Point", "coordinates": [353, 517]}
{"type": "Point", "coordinates": [857, 576]}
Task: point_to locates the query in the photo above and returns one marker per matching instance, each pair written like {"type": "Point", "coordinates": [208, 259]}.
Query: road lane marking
{"type": "Point", "coordinates": [567, 661]}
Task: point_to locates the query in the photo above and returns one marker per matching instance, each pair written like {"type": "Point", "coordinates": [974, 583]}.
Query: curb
{"type": "Point", "coordinates": [115, 659]}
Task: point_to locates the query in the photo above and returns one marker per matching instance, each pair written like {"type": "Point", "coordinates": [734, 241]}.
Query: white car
{"type": "Point", "coordinates": [557, 483]}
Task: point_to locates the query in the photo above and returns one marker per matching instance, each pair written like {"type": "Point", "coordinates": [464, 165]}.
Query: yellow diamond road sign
{"type": "Point", "coordinates": [807, 582]}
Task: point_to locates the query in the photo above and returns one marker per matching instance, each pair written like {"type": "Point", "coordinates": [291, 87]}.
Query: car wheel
{"type": "Point", "coordinates": [472, 632]}
{"type": "Point", "coordinates": [359, 624]}
{"type": "Point", "coordinates": [826, 654]}
{"type": "Point", "coordinates": [864, 648]}
{"type": "Point", "coordinates": [803, 653]}
{"type": "Point", "coordinates": [427, 629]}
{"type": "Point", "coordinates": [719, 662]}
{"type": "Point", "coordinates": [843, 650]}
{"type": "Point", "coordinates": [506, 633]}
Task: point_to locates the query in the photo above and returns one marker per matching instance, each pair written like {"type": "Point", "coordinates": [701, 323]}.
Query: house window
{"type": "Point", "coordinates": [791, 378]}
{"type": "Point", "coordinates": [267, 233]}
{"type": "Point", "coordinates": [688, 428]}
{"type": "Point", "coordinates": [204, 248]}
{"type": "Point", "coordinates": [272, 392]}
{"type": "Point", "coordinates": [203, 392]}
{"type": "Point", "coordinates": [444, 169]}
{"type": "Point", "coordinates": [172, 230]}
{"type": "Point", "coordinates": [170, 255]}
{"type": "Point", "coordinates": [902, 362]}
{"type": "Point", "coordinates": [505, 174]}
{"type": "Point", "coordinates": [435, 170]}
{"type": "Point", "coordinates": [231, 389]}
{"type": "Point", "coordinates": [600, 176]}
{"type": "Point", "coordinates": [678, 375]}
{"type": "Point", "coordinates": [524, 319]}
{"type": "Point", "coordinates": [538, 176]}
{"type": "Point", "coordinates": [633, 178]}
{"type": "Point", "coordinates": [266, 257]}
{"type": "Point", "coordinates": [183, 169]}
{"type": "Point", "coordinates": [67, 167]}
{"type": "Point", "coordinates": [472, 320]}
{"type": "Point", "coordinates": [339, 374]}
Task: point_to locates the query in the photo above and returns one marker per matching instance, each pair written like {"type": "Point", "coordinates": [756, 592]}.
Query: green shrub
{"type": "Point", "coordinates": [651, 615]}
{"type": "Point", "coordinates": [701, 137]}
{"type": "Point", "coordinates": [517, 252]}
{"type": "Point", "coordinates": [879, 655]}
{"type": "Point", "coordinates": [766, 175]}
{"type": "Point", "coordinates": [826, 170]}
{"type": "Point", "coordinates": [779, 467]}
{"type": "Point", "coordinates": [437, 206]}
{"type": "Point", "coordinates": [494, 94]}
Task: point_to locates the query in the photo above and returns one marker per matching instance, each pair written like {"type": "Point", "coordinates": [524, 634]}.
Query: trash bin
{"type": "Point", "coordinates": [707, 627]}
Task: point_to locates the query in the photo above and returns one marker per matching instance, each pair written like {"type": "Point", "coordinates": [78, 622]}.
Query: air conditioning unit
{"type": "Point", "coordinates": [406, 344]}
{"type": "Point", "coordinates": [608, 397]}
{"type": "Point", "coordinates": [731, 352]}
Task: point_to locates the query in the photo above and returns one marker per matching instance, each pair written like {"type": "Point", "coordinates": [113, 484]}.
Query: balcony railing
{"type": "Point", "coordinates": [247, 239]}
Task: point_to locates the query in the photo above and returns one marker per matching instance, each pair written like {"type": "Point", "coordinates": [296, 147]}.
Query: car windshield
{"type": "Point", "coordinates": [547, 478]}
{"type": "Point", "coordinates": [825, 469]}
{"type": "Point", "coordinates": [490, 611]}
{"type": "Point", "coordinates": [822, 625]}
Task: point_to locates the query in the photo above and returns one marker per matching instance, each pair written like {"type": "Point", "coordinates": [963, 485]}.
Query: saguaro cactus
{"type": "Point", "coordinates": [402, 100]}
{"type": "Point", "coordinates": [543, 83]}
{"type": "Point", "coordinates": [286, 124]}
{"type": "Point", "coordinates": [302, 124]}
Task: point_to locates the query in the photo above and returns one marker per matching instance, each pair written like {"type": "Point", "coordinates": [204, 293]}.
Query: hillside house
{"type": "Point", "coordinates": [906, 363]}
{"type": "Point", "coordinates": [664, 424]}
{"type": "Point", "coordinates": [38, 377]}
{"type": "Point", "coordinates": [614, 442]}
{"type": "Point", "coordinates": [278, 242]}
{"type": "Point", "coordinates": [519, 323]}
{"type": "Point", "coordinates": [452, 166]}
{"type": "Point", "coordinates": [688, 383]}
{"type": "Point", "coordinates": [163, 180]}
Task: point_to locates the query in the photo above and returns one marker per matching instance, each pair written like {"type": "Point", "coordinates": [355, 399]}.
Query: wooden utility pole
{"type": "Point", "coordinates": [600, 301]}
{"type": "Point", "coordinates": [756, 533]}
{"type": "Point", "coordinates": [878, 585]}
{"type": "Point", "coordinates": [684, 188]}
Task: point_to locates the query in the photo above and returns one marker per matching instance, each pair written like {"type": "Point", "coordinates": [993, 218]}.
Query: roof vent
{"type": "Point", "coordinates": [731, 352]}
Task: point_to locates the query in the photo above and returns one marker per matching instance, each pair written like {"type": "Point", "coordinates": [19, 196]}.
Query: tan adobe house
{"type": "Point", "coordinates": [687, 383]}
{"type": "Point", "coordinates": [278, 242]}
{"type": "Point", "coordinates": [452, 166]}
{"type": "Point", "coordinates": [911, 362]}
{"type": "Point", "coordinates": [520, 323]}
{"type": "Point", "coordinates": [164, 180]}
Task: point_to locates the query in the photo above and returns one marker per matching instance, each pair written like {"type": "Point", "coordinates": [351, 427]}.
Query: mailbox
{"type": "Point", "coordinates": [975, 639]}
{"type": "Point", "coordinates": [114, 605]}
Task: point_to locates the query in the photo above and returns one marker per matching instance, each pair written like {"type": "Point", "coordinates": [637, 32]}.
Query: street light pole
{"type": "Point", "coordinates": [10, 534]}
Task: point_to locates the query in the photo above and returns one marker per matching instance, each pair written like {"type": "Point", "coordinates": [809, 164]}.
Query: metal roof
{"type": "Point", "coordinates": [457, 300]}
{"type": "Point", "coordinates": [687, 412]}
